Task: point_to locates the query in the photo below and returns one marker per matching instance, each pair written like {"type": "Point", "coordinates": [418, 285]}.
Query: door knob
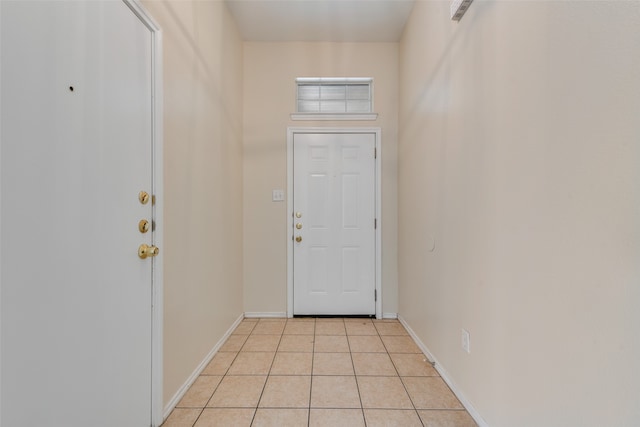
{"type": "Point", "coordinates": [298, 215]}
{"type": "Point", "coordinates": [146, 251]}
{"type": "Point", "coordinates": [299, 239]}
{"type": "Point", "coordinates": [299, 225]}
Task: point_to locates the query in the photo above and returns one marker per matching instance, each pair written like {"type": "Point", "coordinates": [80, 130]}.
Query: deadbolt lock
{"type": "Point", "coordinates": [146, 251]}
{"type": "Point", "coordinates": [143, 196]}
{"type": "Point", "coordinates": [299, 225]}
{"type": "Point", "coordinates": [143, 226]}
{"type": "Point", "coordinates": [299, 239]}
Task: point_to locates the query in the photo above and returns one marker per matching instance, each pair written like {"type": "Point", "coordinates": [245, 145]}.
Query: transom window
{"type": "Point", "coordinates": [334, 95]}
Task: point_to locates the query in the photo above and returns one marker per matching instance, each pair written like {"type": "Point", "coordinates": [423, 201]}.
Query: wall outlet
{"type": "Point", "coordinates": [466, 341]}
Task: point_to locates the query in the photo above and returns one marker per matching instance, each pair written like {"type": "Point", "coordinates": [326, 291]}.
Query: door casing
{"type": "Point", "coordinates": [157, 320]}
{"type": "Point", "coordinates": [291, 131]}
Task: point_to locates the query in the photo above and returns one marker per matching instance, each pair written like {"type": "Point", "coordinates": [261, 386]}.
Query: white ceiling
{"type": "Point", "coordinates": [321, 20]}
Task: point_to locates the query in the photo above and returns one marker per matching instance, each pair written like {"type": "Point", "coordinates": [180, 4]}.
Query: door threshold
{"type": "Point", "coordinates": [330, 316]}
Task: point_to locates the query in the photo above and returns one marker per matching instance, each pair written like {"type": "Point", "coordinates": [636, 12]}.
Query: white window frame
{"type": "Point", "coordinates": [335, 116]}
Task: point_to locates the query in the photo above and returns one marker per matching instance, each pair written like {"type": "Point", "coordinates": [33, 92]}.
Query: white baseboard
{"type": "Point", "coordinates": [445, 375]}
{"type": "Point", "coordinates": [276, 314]}
{"type": "Point", "coordinates": [182, 390]}
{"type": "Point", "coordinates": [389, 315]}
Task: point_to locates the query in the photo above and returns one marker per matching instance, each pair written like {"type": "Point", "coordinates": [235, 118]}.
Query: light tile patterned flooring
{"type": "Point", "coordinates": [319, 372]}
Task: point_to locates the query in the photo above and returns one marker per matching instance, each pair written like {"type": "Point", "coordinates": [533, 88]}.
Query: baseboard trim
{"type": "Point", "coordinates": [445, 375]}
{"type": "Point", "coordinates": [182, 390]}
{"type": "Point", "coordinates": [274, 314]}
{"type": "Point", "coordinates": [389, 315]}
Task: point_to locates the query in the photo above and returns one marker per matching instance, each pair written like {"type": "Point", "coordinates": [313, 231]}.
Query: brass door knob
{"type": "Point", "coordinates": [146, 251]}
{"type": "Point", "coordinates": [299, 225]}
{"type": "Point", "coordinates": [299, 239]}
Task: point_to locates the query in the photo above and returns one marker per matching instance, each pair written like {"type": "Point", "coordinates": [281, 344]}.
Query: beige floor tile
{"type": "Point", "coordinates": [225, 417]}
{"type": "Point", "coordinates": [281, 418]}
{"type": "Point", "coordinates": [234, 343]}
{"type": "Point", "coordinates": [331, 344]}
{"type": "Point", "coordinates": [383, 393]}
{"type": "Point", "coordinates": [361, 327]}
{"type": "Point", "coordinates": [296, 343]}
{"type": "Point", "coordinates": [324, 327]}
{"type": "Point", "coordinates": [413, 365]}
{"type": "Point", "coordinates": [252, 363]}
{"type": "Point", "coordinates": [182, 417]}
{"type": "Point", "coordinates": [400, 344]}
{"type": "Point", "coordinates": [336, 418]}
{"type": "Point", "coordinates": [244, 328]}
{"type": "Point", "coordinates": [334, 392]}
{"type": "Point", "coordinates": [439, 418]}
{"type": "Point", "coordinates": [332, 364]}
{"type": "Point", "coordinates": [269, 327]}
{"type": "Point", "coordinates": [238, 392]}
{"type": "Point", "coordinates": [292, 364]}
{"type": "Point", "coordinates": [300, 328]}
{"type": "Point", "coordinates": [431, 393]}
{"type": "Point", "coordinates": [392, 418]}
{"type": "Point", "coordinates": [377, 364]}
{"type": "Point", "coordinates": [220, 363]}
{"type": "Point", "coordinates": [366, 344]}
{"type": "Point", "coordinates": [200, 391]}
{"type": "Point", "coordinates": [390, 328]}
{"type": "Point", "coordinates": [286, 392]}
{"type": "Point", "coordinates": [261, 343]}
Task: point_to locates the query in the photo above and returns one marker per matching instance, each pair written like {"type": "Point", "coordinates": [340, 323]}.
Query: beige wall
{"type": "Point", "coordinates": [519, 160]}
{"type": "Point", "coordinates": [270, 70]}
{"type": "Point", "coordinates": [202, 182]}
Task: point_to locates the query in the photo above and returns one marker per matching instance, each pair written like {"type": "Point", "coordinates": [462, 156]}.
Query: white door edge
{"type": "Point", "coordinates": [158, 191]}
{"type": "Point", "coordinates": [291, 131]}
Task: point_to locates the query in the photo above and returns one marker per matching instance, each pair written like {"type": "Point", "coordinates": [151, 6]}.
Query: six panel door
{"type": "Point", "coordinates": [334, 214]}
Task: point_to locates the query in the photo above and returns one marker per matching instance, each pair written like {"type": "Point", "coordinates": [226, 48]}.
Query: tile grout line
{"type": "Point", "coordinates": [264, 386]}
{"type": "Point", "coordinates": [313, 353]}
{"type": "Point", "coordinates": [223, 375]}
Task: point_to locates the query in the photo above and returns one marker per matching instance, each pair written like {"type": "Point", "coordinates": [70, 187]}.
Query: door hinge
{"type": "Point", "coordinates": [375, 223]}
{"type": "Point", "coordinates": [375, 295]}
{"type": "Point", "coordinates": [375, 152]}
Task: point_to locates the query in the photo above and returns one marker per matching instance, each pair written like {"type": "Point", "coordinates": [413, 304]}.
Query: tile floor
{"type": "Point", "coordinates": [319, 372]}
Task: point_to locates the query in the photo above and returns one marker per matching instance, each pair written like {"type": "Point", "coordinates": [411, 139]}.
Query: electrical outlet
{"type": "Point", "coordinates": [466, 341]}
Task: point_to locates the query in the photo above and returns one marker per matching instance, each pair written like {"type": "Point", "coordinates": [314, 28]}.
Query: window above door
{"type": "Point", "coordinates": [334, 98]}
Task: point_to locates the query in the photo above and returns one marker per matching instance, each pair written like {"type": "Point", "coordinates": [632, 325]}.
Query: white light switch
{"type": "Point", "coordinates": [277, 195]}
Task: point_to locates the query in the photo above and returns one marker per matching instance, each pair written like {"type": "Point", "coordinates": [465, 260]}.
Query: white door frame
{"type": "Point", "coordinates": [291, 131]}
{"type": "Point", "coordinates": [158, 209]}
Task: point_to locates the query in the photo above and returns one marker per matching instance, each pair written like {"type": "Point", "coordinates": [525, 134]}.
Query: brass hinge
{"type": "Point", "coordinates": [375, 152]}
{"type": "Point", "coordinates": [375, 223]}
{"type": "Point", "coordinates": [375, 295]}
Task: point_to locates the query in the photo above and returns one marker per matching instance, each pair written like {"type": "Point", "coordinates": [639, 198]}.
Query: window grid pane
{"type": "Point", "coordinates": [308, 92]}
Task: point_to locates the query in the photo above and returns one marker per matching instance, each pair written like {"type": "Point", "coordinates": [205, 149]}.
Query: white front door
{"type": "Point", "coordinates": [333, 224]}
{"type": "Point", "coordinates": [76, 149]}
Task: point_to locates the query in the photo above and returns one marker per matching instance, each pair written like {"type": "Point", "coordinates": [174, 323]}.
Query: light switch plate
{"type": "Point", "coordinates": [277, 195]}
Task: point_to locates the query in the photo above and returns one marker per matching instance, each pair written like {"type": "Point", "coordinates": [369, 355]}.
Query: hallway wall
{"type": "Point", "coordinates": [519, 205]}
{"type": "Point", "coordinates": [270, 70]}
{"type": "Point", "coordinates": [203, 181]}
